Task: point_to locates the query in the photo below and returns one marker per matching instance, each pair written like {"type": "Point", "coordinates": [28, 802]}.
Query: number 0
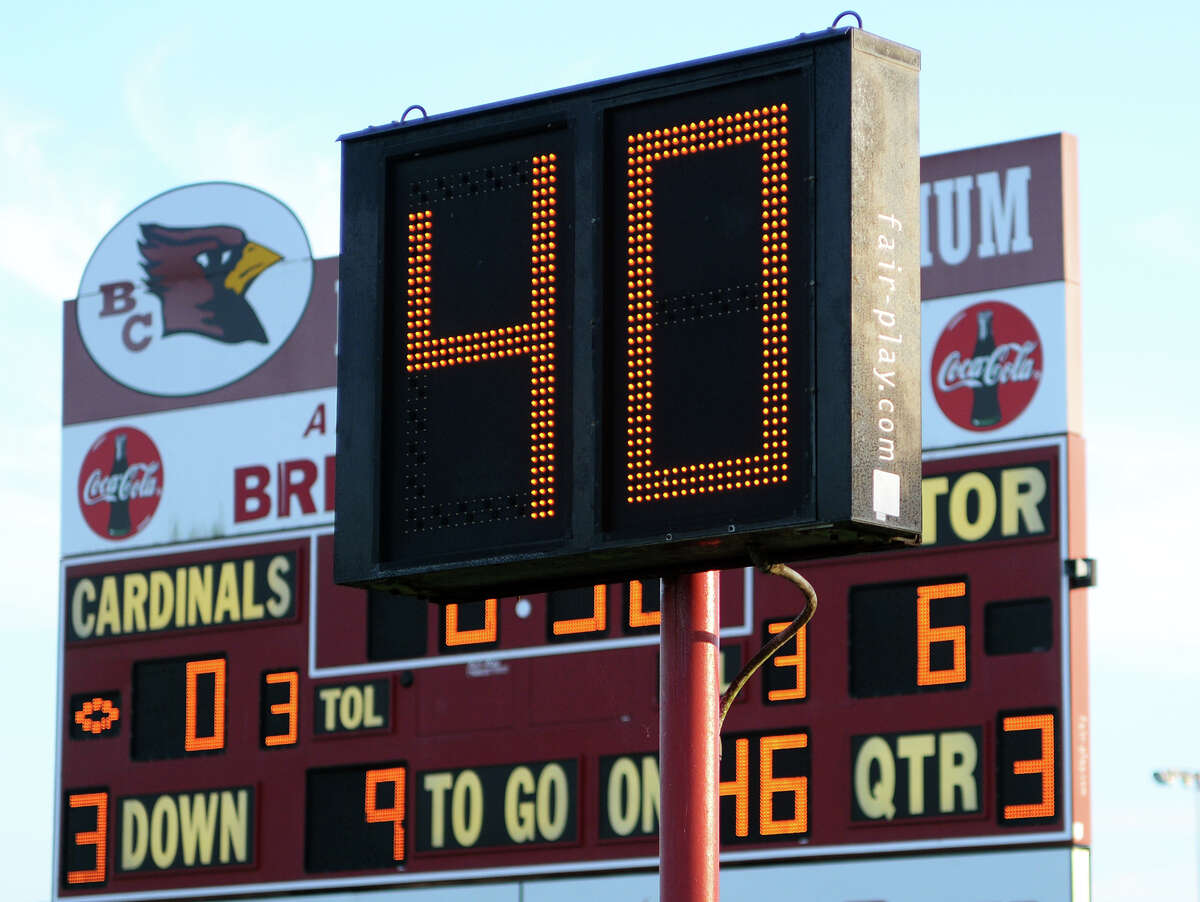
{"type": "Point", "coordinates": [193, 741]}
{"type": "Point", "coordinates": [767, 464]}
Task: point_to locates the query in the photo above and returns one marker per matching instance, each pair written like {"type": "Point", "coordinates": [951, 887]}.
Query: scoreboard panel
{"type": "Point", "coordinates": [233, 721]}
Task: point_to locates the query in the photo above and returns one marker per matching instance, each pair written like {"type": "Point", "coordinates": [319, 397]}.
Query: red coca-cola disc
{"type": "Point", "coordinates": [987, 366]}
{"type": "Point", "coordinates": [120, 483]}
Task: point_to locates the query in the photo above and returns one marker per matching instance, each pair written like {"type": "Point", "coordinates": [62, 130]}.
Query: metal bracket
{"type": "Point", "coordinates": [1081, 573]}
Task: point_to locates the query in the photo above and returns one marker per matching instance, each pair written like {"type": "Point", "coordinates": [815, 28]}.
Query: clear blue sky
{"type": "Point", "coordinates": [104, 105]}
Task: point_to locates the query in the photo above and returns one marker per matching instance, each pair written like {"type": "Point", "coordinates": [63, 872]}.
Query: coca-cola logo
{"type": "Point", "coordinates": [987, 366]}
{"type": "Point", "coordinates": [120, 483]}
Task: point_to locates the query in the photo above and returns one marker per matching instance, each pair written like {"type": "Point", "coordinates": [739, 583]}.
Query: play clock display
{"type": "Point", "coordinates": [596, 332]}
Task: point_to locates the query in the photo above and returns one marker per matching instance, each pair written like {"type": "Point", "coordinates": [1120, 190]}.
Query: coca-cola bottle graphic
{"type": "Point", "coordinates": [118, 507]}
{"type": "Point", "coordinates": [985, 409]}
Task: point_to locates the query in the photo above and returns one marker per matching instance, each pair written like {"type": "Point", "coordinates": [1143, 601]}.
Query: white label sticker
{"type": "Point", "coordinates": [887, 495]}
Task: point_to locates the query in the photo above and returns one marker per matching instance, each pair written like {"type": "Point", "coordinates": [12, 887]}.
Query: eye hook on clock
{"type": "Point", "coordinates": [778, 640]}
{"type": "Point", "coordinates": [424, 115]}
{"type": "Point", "coordinates": [843, 15]}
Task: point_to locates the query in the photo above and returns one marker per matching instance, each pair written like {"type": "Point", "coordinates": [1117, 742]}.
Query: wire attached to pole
{"type": "Point", "coordinates": [778, 641]}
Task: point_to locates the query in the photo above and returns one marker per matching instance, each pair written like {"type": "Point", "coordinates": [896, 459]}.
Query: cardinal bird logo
{"type": "Point", "coordinates": [195, 289]}
{"type": "Point", "coordinates": [201, 275]}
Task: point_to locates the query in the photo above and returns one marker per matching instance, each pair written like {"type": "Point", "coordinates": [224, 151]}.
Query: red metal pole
{"type": "Point", "coordinates": [688, 735]}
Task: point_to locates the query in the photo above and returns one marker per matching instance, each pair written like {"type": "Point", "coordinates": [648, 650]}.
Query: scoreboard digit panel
{"type": "Point", "coordinates": [713, 268]}
{"type": "Point", "coordinates": [479, 437]}
{"type": "Point", "coordinates": [593, 330]}
{"type": "Point", "coordinates": [910, 636]}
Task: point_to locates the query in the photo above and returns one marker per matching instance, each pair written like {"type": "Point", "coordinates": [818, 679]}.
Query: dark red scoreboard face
{"type": "Point", "coordinates": [231, 717]}
{"type": "Point", "coordinates": [593, 332]}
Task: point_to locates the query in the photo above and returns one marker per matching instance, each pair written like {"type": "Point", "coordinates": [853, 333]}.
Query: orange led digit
{"type": "Point", "coordinates": [927, 635]}
{"type": "Point", "coordinates": [395, 814]}
{"type": "Point", "coordinates": [290, 708]}
{"type": "Point", "coordinates": [598, 622]}
{"type": "Point", "coordinates": [216, 740]}
{"type": "Point", "coordinates": [796, 661]}
{"type": "Point", "coordinates": [766, 465]}
{"type": "Point", "coordinates": [739, 787]}
{"type": "Point", "coordinates": [637, 617]}
{"type": "Point", "coordinates": [485, 634]}
{"type": "Point", "coordinates": [97, 837]}
{"type": "Point", "coordinates": [97, 715]}
{"type": "Point", "coordinates": [1043, 765]}
{"type": "Point", "coordinates": [535, 338]}
{"type": "Point", "coordinates": [770, 785]}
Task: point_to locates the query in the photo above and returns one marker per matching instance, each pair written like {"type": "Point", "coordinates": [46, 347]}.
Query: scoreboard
{"type": "Point", "coordinates": [235, 722]}
{"type": "Point", "coordinates": [650, 324]}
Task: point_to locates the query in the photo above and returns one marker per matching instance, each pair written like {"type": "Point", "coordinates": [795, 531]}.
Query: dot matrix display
{"type": "Point", "coordinates": [535, 338]}
{"type": "Point", "coordinates": [595, 331]}
{"type": "Point", "coordinates": [1027, 766]}
{"type": "Point", "coordinates": [95, 715]}
{"type": "Point", "coordinates": [178, 707]}
{"type": "Point", "coordinates": [476, 453]}
{"type": "Point", "coordinates": [716, 200]}
{"type": "Point", "coordinates": [909, 637]}
{"type": "Point", "coordinates": [86, 826]}
{"type": "Point", "coordinates": [647, 152]}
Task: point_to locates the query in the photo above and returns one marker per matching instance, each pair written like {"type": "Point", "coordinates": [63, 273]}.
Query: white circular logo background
{"type": "Point", "coordinates": [121, 321]}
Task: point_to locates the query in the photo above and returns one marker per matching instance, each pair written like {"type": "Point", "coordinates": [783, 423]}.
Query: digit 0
{"type": "Point", "coordinates": [766, 464]}
{"type": "Point", "coordinates": [535, 338]}
{"type": "Point", "coordinates": [193, 741]}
